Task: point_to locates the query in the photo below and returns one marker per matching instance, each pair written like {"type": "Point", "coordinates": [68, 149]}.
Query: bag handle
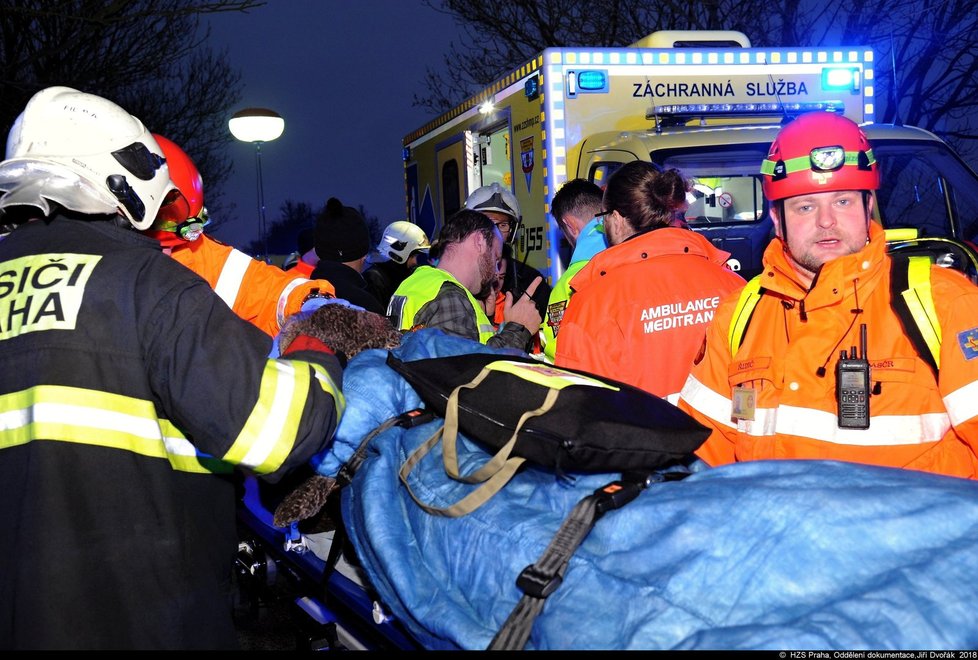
{"type": "Point", "coordinates": [492, 475]}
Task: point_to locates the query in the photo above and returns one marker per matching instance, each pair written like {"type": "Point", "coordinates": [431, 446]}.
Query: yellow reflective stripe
{"type": "Point", "coordinates": [546, 375]}
{"type": "Point", "coordinates": [802, 163]}
{"type": "Point", "coordinates": [269, 434]}
{"type": "Point", "coordinates": [900, 234]}
{"type": "Point", "coordinates": [749, 296]}
{"type": "Point", "coordinates": [330, 387]}
{"type": "Point", "coordinates": [71, 414]}
{"type": "Point", "coordinates": [185, 457]}
{"type": "Point", "coordinates": [920, 300]}
{"type": "Point", "coordinates": [282, 395]}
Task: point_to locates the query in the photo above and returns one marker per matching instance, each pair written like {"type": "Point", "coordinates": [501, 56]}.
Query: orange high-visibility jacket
{"type": "Point", "coordinates": [640, 309]}
{"type": "Point", "coordinates": [260, 293]}
{"type": "Point", "coordinates": [916, 420]}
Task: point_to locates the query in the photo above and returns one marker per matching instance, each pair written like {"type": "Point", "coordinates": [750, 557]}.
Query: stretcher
{"type": "Point", "coordinates": [332, 606]}
{"type": "Point", "coordinates": [763, 555]}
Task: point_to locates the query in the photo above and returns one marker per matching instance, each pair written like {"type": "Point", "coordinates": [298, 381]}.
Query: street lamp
{"type": "Point", "coordinates": [258, 125]}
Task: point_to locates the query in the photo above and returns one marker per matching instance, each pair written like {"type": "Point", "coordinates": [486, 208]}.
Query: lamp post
{"type": "Point", "coordinates": [258, 125]}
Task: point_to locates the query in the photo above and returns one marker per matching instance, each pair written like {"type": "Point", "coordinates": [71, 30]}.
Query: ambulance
{"type": "Point", "coordinates": [706, 103]}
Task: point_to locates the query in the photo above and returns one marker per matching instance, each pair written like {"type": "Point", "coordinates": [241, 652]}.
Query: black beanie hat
{"type": "Point", "coordinates": [341, 233]}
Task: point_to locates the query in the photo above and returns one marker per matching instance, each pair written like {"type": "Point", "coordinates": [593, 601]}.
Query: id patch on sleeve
{"type": "Point", "coordinates": [968, 341]}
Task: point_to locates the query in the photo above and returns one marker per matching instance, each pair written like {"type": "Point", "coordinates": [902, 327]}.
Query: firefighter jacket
{"type": "Point", "coordinates": [590, 241]}
{"type": "Point", "coordinates": [783, 375]}
{"type": "Point", "coordinates": [260, 293]}
{"type": "Point", "coordinates": [129, 393]}
{"type": "Point", "coordinates": [640, 309]}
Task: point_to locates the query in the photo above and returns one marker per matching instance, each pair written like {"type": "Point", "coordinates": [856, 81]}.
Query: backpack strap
{"type": "Point", "coordinates": [913, 301]}
{"type": "Point", "coordinates": [750, 295]}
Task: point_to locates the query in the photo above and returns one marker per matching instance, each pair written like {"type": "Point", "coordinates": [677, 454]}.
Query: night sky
{"type": "Point", "coordinates": [342, 75]}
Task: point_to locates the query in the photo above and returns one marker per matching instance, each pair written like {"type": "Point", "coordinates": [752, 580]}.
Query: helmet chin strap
{"type": "Point", "coordinates": [869, 216]}
{"type": "Point", "coordinates": [784, 225]}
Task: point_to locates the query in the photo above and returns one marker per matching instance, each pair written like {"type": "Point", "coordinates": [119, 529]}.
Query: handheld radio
{"type": "Point", "coordinates": [852, 386]}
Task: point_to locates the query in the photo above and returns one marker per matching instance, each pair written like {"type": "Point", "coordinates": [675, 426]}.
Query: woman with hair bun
{"type": "Point", "coordinates": [641, 307]}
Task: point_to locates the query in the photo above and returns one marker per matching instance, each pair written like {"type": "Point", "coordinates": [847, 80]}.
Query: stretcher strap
{"type": "Point", "coordinates": [541, 579]}
{"type": "Point", "coordinates": [346, 472]}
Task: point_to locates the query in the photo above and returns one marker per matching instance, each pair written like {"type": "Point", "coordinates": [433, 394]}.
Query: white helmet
{"type": "Point", "coordinates": [85, 153]}
{"type": "Point", "coordinates": [496, 198]}
{"type": "Point", "coordinates": [400, 240]}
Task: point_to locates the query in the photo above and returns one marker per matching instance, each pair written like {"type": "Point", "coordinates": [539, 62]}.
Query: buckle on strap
{"type": "Point", "coordinates": [616, 495]}
{"type": "Point", "coordinates": [535, 583]}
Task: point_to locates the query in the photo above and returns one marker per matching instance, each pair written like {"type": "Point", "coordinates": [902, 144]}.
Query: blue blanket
{"type": "Point", "coordinates": [763, 555]}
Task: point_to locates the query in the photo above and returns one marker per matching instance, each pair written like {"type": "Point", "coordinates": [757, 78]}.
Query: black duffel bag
{"type": "Point", "coordinates": [558, 418]}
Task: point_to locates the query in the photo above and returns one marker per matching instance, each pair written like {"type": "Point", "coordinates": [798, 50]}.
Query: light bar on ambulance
{"type": "Point", "coordinates": [741, 109]}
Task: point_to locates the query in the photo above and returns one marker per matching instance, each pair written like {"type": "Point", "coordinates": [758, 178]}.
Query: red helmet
{"type": "Point", "coordinates": [819, 152]}
{"type": "Point", "coordinates": [184, 213]}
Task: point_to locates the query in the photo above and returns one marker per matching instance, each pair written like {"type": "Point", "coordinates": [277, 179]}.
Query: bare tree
{"type": "Point", "coordinates": [497, 37]}
{"type": "Point", "coordinates": [925, 68]}
{"type": "Point", "coordinates": [149, 56]}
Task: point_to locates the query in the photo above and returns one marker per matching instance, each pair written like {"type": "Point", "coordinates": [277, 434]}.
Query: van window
{"type": "Point", "coordinates": [451, 196]}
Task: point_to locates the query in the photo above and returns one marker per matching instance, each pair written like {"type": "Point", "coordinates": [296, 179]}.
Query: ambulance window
{"type": "Point", "coordinates": [726, 186]}
{"type": "Point", "coordinates": [925, 186]}
{"type": "Point", "coordinates": [601, 172]}
{"type": "Point", "coordinates": [451, 198]}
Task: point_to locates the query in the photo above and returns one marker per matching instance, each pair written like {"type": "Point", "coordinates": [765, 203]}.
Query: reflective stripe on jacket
{"type": "Point", "coordinates": [263, 294]}
{"type": "Point", "coordinates": [915, 422]}
{"type": "Point", "coordinates": [640, 309]}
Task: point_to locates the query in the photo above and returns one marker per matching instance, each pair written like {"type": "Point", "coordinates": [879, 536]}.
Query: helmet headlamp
{"type": "Point", "coordinates": [827, 159]}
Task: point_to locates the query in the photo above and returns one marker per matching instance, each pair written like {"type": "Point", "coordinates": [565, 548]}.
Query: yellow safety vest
{"type": "Point", "coordinates": [420, 288]}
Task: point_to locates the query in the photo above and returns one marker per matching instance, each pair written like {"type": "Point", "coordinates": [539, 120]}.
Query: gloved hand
{"type": "Point", "coordinates": [343, 328]}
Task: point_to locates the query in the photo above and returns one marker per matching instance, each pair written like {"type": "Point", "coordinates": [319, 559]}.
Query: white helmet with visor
{"type": "Point", "coordinates": [87, 154]}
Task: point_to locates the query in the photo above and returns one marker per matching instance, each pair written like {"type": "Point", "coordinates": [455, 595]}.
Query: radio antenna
{"type": "Point", "coordinates": [893, 91]}
{"type": "Point", "coordinates": [784, 111]}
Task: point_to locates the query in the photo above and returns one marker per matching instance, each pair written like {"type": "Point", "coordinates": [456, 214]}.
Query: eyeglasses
{"type": "Point", "coordinates": [603, 214]}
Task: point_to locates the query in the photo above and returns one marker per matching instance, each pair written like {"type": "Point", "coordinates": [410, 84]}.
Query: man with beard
{"type": "Point", "coordinates": [446, 295]}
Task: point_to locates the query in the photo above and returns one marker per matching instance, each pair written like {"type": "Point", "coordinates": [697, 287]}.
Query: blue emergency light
{"type": "Point", "coordinates": [592, 81]}
{"type": "Point", "coordinates": [840, 79]}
